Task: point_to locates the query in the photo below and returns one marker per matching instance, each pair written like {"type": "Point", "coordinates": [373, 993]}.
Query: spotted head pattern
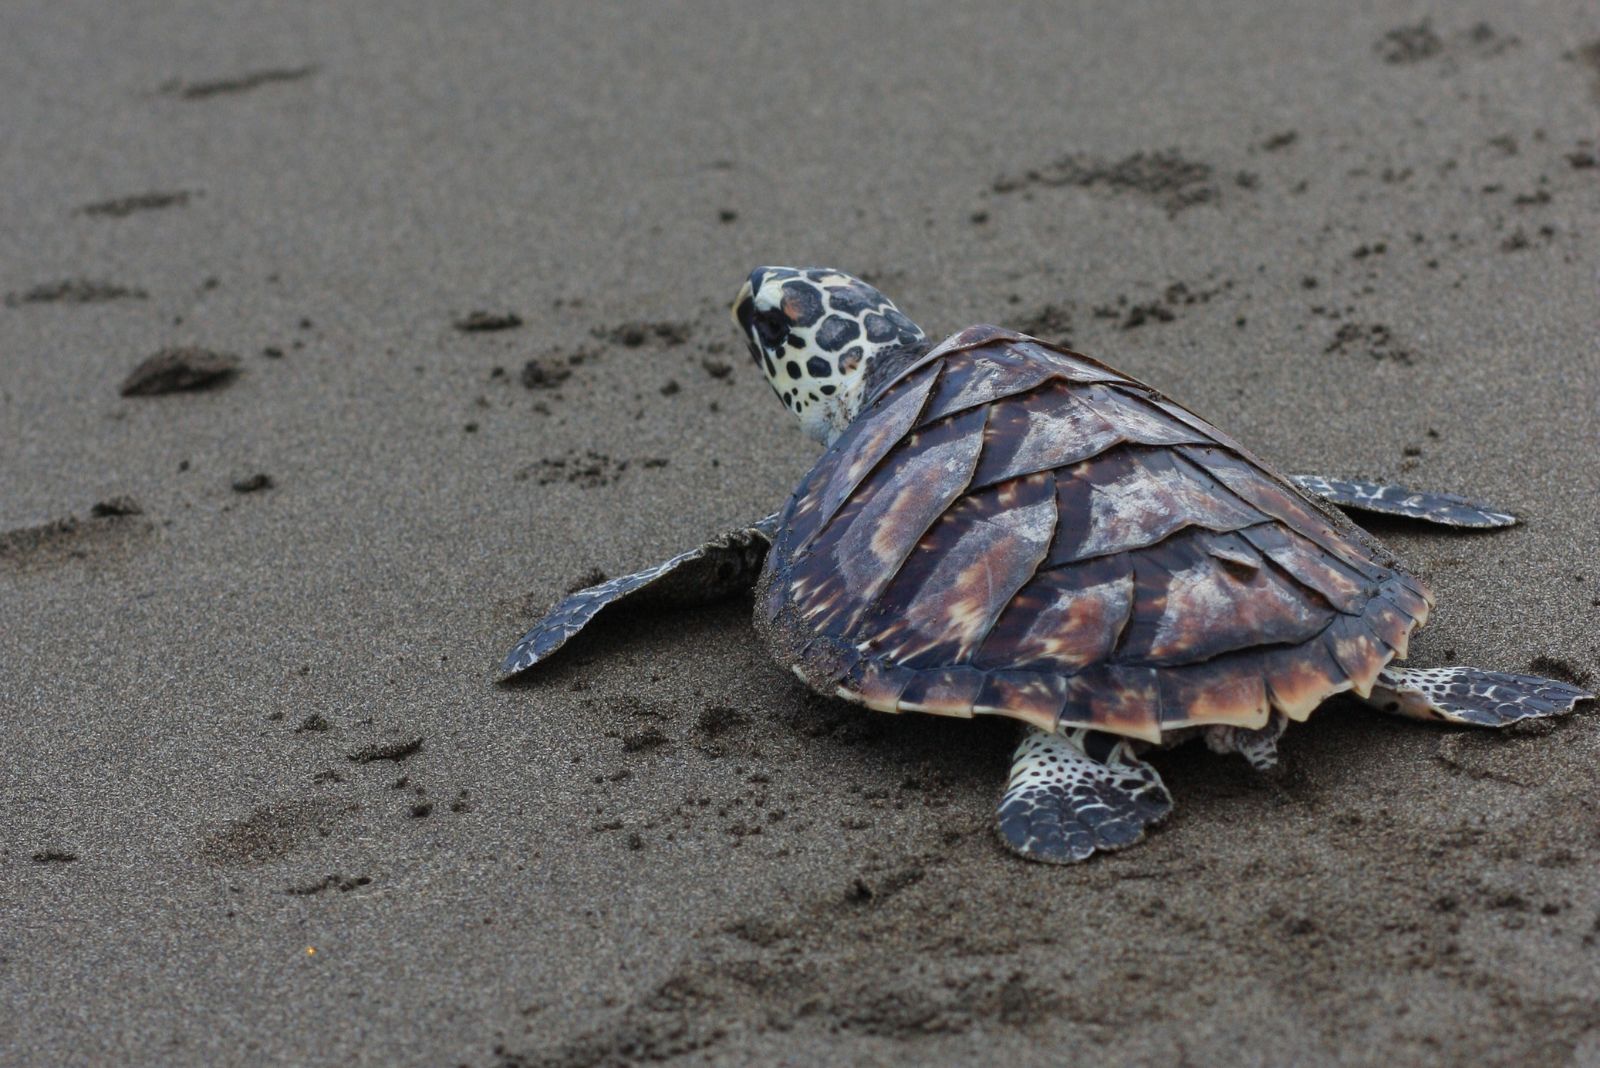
{"type": "Point", "coordinates": [813, 332]}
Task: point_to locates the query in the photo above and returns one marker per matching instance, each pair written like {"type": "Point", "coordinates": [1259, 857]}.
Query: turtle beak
{"type": "Point", "coordinates": [744, 308]}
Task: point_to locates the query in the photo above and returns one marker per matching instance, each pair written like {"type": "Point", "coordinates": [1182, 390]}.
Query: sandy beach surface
{"type": "Point", "coordinates": [260, 800]}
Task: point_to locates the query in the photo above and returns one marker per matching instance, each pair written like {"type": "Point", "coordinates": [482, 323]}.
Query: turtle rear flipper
{"type": "Point", "coordinates": [720, 568]}
{"type": "Point", "coordinates": [1445, 509]}
{"type": "Point", "coordinates": [1078, 792]}
{"type": "Point", "coordinates": [1259, 747]}
{"type": "Point", "coordinates": [1472, 696]}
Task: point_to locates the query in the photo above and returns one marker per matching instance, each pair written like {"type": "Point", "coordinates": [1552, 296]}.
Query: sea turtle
{"type": "Point", "coordinates": [1000, 526]}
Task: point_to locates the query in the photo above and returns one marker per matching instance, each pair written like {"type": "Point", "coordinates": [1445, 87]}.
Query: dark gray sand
{"type": "Point", "coordinates": [261, 802]}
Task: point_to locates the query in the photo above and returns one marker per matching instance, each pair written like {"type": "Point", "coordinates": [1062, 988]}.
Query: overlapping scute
{"type": "Point", "coordinates": [1011, 528]}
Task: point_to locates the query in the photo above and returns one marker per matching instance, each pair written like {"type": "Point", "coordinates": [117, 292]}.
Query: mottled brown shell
{"type": "Point", "coordinates": [1010, 528]}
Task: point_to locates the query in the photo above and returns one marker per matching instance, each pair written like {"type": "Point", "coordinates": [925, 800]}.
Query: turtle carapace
{"type": "Point", "coordinates": [998, 526]}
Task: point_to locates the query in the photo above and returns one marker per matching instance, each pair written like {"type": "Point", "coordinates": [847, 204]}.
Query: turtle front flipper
{"type": "Point", "coordinates": [1077, 792]}
{"type": "Point", "coordinates": [720, 568]}
{"type": "Point", "coordinates": [1445, 509]}
{"type": "Point", "coordinates": [1471, 696]}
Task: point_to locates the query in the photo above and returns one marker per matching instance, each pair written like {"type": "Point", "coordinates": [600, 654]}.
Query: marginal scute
{"type": "Point", "coordinates": [1227, 690]}
{"type": "Point", "coordinates": [1410, 597]}
{"type": "Point", "coordinates": [1299, 678]}
{"type": "Point", "coordinates": [1391, 625]}
{"type": "Point", "coordinates": [1035, 697]}
{"type": "Point", "coordinates": [1357, 649]}
{"type": "Point", "coordinates": [1118, 698]}
{"type": "Point", "coordinates": [823, 661]}
{"type": "Point", "coordinates": [950, 691]}
{"type": "Point", "coordinates": [876, 684]}
{"type": "Point", "coordinates": [1012, 529]}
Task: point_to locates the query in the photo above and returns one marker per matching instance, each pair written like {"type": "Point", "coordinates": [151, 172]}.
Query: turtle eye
{"type": "Point", "coordinates": [772, 327]}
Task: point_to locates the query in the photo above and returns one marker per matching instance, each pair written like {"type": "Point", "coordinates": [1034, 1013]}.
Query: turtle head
{"type": "Point", "coordinates": [814, 332]}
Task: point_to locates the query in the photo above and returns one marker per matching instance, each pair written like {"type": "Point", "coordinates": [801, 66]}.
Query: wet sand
{"type": "Point", "coordinates": [262, 802]}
